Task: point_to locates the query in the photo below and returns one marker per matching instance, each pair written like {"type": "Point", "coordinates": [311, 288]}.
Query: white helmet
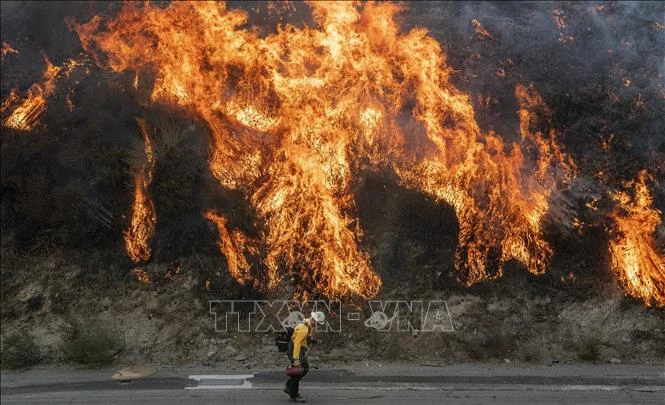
{"type": "Point", "coordinates": [319, 317]}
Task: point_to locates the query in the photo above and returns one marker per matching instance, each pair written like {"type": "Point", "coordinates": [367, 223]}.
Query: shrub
{"type": "Point", "coordinates": [19, 351]}
{"type": "Point", "coordinates": [588, 348]}
{"type": "Point", "coordinates": [394, 348]}
{"type": "Point", "coordinates": [531, 354]}
{"type": "Point", "coordinates": [493, 344]}
{"type": "Point", "coordinates": [90, 343]}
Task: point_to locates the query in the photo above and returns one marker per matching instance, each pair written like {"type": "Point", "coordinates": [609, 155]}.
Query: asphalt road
{"type": "Point", "coordinates": [399, 384]}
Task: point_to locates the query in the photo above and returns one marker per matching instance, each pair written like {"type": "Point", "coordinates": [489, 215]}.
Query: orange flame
{"type": "Point", "coordinates": [142, 276]}
{"type": "Point", "coordinates": [296, 114]}
{"type": "Point", "coordinates": [25, 115]}
{"type": "Point", "coordinates": [635, 258]}
{"type": "Point", "coordinates": [172, 272]}
{"type": "Point", "coordinates": [144, 219]}
{"type": "Point", "coordinates": [233, 246]}
{"type": "Point", "coordinates": [564, 32]}
{"type": "Point", "coordinates": [7, 50]}
{"type": "Point", "coordinates": [481, 32]}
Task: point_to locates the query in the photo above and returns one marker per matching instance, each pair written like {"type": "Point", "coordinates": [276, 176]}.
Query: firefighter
{"type": "Point", "coordinates": [297, 352]}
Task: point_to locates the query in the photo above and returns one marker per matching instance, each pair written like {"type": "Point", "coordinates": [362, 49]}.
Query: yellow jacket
{"type": "Point", "coordinates": [299, 337]}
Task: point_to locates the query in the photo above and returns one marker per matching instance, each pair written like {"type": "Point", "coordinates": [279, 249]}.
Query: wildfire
{"type": "Point", "coordinates": [564, 33]}
{"type": "Point", "coordinates": [142, 276]}
{"type": "Point", "coordinates": [481, 32]}
{"type": "Point", "coordinates": [635, 258]}
{"type": "Point", "coordinates": [251, 117]}
{"type": "Point", "coordinates": [233, 246]}
{"type": "Point", "coordinates": [296, 114]}
{"type": "Point", "coordinates": [24, 114]}
{"type": "Point", "coordinates": [144, 219]}
{"type": "Point", "coordinates": [7, 49]}
{"type": "Point", "coordinates": [172, 272]}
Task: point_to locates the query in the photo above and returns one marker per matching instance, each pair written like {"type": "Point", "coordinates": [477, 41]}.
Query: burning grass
{"type": "Point", "coordinates": [294, 113]}
{"type": "Point", "coordinates": [635, 257]}
{"type": "Point", "coordinates": [298, 117]}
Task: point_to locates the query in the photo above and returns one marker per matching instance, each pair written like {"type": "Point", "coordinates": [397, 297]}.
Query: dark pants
{"type": "Point", "coordinates": [293, 383]}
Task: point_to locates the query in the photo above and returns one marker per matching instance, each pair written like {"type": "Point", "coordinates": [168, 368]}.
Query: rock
{"type": "Point", "coordinates": [614, 360]}
{"type": "Point", "coordinates": [229, 351]}
{"type": "Point", "coordinates": [240, 357]}
{"type": "Point", "coordinates": [267, 340]}
{"type": "Point", "coordinates": [506, 360]}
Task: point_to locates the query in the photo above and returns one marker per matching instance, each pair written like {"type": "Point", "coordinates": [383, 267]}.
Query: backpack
{"type": "Point", "coordinates": [282, 339]}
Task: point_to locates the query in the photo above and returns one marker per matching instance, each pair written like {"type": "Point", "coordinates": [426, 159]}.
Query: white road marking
{"type": "Point", "coordinates": [245, 386]}
{"type": "Point", "coordinates": [221, 377]}
{"type": "Point", "coordinates": [223, 382]}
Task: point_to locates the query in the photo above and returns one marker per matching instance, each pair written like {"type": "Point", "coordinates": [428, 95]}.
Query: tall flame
{"type": "Point", "coordinates": [144, 219]}
{"type": "Point", "coordinates": [233, 245]}
{"type": "Point", "coordinates": [635, 258]}
{"type": "Point", "coordinates": [295, 115]}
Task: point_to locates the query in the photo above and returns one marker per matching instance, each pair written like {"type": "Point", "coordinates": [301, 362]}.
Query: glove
{"type": "Point", "coordinates": [296, 363]}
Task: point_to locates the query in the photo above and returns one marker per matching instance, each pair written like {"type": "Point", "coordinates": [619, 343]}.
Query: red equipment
{"type": "Point", "coordinates": [293, 371]}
